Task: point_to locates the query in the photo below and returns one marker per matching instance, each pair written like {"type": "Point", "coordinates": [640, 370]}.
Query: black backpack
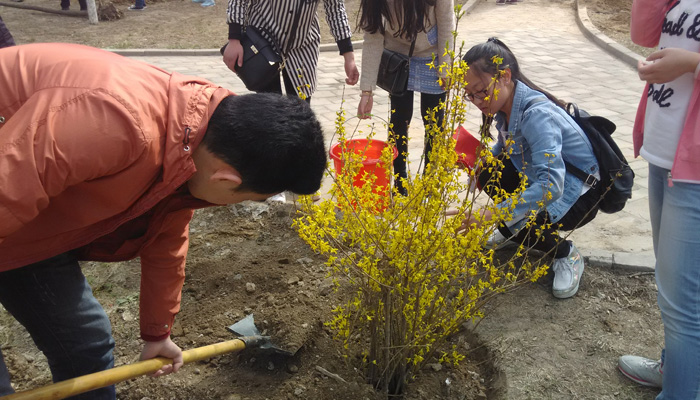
{"type": "Point", "coordinates": [616, 176]}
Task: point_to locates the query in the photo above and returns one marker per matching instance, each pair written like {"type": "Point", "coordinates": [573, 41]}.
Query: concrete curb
{"type": "Point", "coordinates": [202, 52]}
{"type": "Point", "coordinates": [470, 5]}
{"type": "Point", "coordinates": [604, 42]}
{"type": "Point", "coordinates": [624, 261]}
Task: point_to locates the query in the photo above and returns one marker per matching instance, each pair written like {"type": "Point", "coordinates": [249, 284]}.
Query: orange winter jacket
{"type": "Point", "coordinates": [94, 151]}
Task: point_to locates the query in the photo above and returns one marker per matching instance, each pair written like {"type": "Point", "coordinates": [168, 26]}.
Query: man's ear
{"type": "Point", "coordinates": [227, 173]}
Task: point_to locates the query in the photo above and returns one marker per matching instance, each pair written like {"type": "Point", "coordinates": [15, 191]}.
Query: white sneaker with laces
{"type": "Point", "coordinates": [642, 370]}
{"type": "Point", "coordinates": [567, 274]}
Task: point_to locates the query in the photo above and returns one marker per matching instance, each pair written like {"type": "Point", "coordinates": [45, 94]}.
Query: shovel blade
{"type": "Point", "coordinates": [246, 327]}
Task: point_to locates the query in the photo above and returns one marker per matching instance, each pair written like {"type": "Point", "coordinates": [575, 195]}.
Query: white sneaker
{"type": "Point", "coordinates": [280, 197]}
{"type": "Point", "coordinates": [567, 274]}
{"type": "Point", "coordinates": [642, 370]}
{"type": "Point", "coordinates": [496, 239]}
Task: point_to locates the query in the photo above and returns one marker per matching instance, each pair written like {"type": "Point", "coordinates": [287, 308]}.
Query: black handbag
{"type": "Point", "coordinates": [394, 70]}
{"type": "Point", "coordinates": [261, 63]}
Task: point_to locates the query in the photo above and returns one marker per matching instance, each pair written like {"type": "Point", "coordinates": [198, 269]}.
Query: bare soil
{"type": "Point", "coordinates": [612, 17]}
{"type": "Point", "coordinates": [246, 259]}
{"type": "Point", "coordinates": [164, 24]}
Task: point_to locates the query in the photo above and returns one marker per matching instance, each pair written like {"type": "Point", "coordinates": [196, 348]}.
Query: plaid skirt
{"type": "Point", "coordinates": [422, 78]}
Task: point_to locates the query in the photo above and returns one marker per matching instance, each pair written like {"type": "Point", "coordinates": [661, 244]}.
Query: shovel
{"type": "Point", "coordinates": [86, 383]}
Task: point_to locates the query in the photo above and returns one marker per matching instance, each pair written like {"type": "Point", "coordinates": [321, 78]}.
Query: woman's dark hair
{"type": "Point", "coordinates": [480, 58]}
{"type": "Point", "coordinates": [275, 142]}
{"type": "Point", "coordinates": [411, 15]}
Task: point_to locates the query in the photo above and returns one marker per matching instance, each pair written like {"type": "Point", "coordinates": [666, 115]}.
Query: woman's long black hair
{"type": "Point", "coordinates": [411, 14]}
{"type": "Point", "coordinates": [480, 58]}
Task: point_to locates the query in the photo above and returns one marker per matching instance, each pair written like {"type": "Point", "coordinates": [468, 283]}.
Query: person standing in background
{"type": "Point", "coordinates": [394, 25]}
{"type": "Point", "coordinates": [667, 134]}
{"type": "Point", "coordinates": [65, 5]}
{"type": "Point", "coordinates": [276, 19]}
{"type": "Point", "coordinates": [6, 39]}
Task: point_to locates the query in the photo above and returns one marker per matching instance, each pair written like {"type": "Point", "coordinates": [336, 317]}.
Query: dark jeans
{"type": "Point", "coordinates": [54, 302]}
{"type": "Point", "coordinates": [6, 39]}
{"type": "Point", "coordinates": [65, 4]}
{"type": "Point", "coordinates": [581, 213]}
{"type": "Point", "coordinates": [276, 87]}
{"type": "Point", "coordinates": [400, 119]}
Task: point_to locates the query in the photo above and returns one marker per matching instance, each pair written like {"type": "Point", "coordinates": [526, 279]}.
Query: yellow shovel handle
{"type": "Point", "coordinates": [86, 383]}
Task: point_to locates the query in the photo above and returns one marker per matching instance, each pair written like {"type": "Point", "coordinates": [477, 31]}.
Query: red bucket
{"type": "Point", "coordinates": [371, 151]}
{"type": "Point", "coordinates": [466, 148]}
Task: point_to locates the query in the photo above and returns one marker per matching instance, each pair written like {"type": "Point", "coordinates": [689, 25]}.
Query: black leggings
{"type": "Point", "coordinates": [581, 213]}
{"type": "Point", "coordinates": [276, 87]}
{"type": "Point", "coordinates": [400, 119]}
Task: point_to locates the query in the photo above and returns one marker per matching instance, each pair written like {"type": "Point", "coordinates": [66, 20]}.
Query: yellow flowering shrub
{"type": "Point", "coordinates": [416, 279]}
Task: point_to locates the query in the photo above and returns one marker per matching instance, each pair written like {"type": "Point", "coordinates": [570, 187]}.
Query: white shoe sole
{"type": "Point", "coordinates": [638, 380]}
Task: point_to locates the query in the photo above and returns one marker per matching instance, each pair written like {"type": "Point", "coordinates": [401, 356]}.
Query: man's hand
{"type": "Point", "coordinates": [164, 348]}
{"type": "Point", "coordinates": [666, 65]}
{"type": "Point", "coordinates": [364, 109]}
{"type": "Point", "coordinates": [471, 219]}
{"type": "Point", "coordinates": [233, 54]}
{"type": "Point", "coordinates": [351, 72]}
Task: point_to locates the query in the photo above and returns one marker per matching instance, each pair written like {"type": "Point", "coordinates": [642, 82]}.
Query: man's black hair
{"type": "Point", "coordinates": [275, 142]}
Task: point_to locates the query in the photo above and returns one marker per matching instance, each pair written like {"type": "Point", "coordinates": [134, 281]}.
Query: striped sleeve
{"type": "Point", "coordinates": [236, 11]}
{"type": "Point", "coordinates": [337, 19]}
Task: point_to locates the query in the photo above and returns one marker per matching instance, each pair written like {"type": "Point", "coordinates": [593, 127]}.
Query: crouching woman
{"type": "Point", "coordinates": [535, 138]}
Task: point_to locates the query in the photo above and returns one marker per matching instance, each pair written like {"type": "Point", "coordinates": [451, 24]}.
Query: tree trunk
{"type": "Point", "coordinates": [92, 12]}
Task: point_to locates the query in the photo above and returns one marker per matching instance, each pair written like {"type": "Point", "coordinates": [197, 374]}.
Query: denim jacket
{"type": "Point", "coordinates": [543, 137]}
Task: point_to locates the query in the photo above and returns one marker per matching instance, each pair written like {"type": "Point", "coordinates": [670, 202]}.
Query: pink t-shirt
{"type": "Point", "coordinates": [667, 103]}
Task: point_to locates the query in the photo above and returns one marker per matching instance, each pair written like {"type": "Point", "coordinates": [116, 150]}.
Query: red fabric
{"type": "Point", "coordinates": [91, 158]}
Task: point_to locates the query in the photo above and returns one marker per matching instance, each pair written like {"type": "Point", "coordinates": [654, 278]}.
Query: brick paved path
{"type": "Point", "coordinates": [555, 54]}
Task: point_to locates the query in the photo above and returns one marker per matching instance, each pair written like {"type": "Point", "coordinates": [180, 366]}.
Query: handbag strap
{"type": "Point", "coordinates": [295, 26]}
{"type": "Point", "coordinates": [413, 46]}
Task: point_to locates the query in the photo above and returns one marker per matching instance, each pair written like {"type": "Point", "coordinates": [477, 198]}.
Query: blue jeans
{"type": "Point", "coordinates": [675, 218]}
{"type": "Point", "coordinates": [54, 302]}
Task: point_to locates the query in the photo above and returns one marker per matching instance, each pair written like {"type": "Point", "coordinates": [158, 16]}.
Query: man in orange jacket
{"type": "Point", "coordinates": [105, 158]}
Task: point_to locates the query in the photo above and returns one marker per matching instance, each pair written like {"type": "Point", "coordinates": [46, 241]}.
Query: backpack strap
{"type": "Point", "coordinates": [586, 178]}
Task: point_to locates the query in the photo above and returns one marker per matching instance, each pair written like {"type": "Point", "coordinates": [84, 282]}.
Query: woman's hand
{"type": "Point", "coordinates": [486, 215]}
{"type": "Point", "coordinates": [233, 54]}
{"type": "Point", "coordinates": [364, 109]}
{"type": "Point", "coordinates": [165, 348]}
{"type": "Point", "coordinates": [352, 75]}
{"type": "Point", "coordinates": [666, 65]}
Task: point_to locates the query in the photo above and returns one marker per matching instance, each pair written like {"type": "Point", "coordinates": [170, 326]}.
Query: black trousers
{"type": "Point", "coordinates": [65, 4]}
{"type": "Point", "coordinates": [6, 39]}
{"type": "Point", "coordinates": [581, 213]}
{"type": "Point", "coordinates": [400, 119]}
